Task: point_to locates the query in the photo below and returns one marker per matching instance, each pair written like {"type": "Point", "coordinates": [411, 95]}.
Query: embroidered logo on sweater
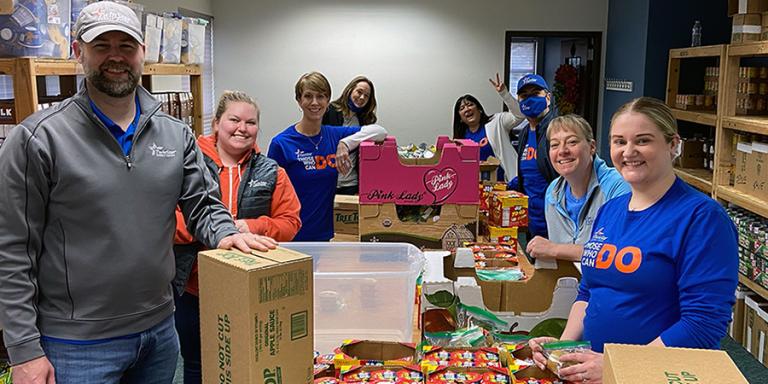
{"type": "Point", "coordinates": [256, 184]}
{"type": "Point", "coordinates": [160, 151]}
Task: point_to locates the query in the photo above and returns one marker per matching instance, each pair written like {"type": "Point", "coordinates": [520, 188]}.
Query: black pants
{"type": "Point", "coordinates": [188, 326]}
{"type": "Point", "coordinates": [350, 190]}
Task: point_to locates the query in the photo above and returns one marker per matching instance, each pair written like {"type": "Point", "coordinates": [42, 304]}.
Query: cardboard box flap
{"type": "Point", "coordinates": [346, 202]}
{"type": "Point", "coordinates": [281, 255]}
{"type": "Point", "coordinates": [635, 364]}
{"type": "Point", "coordinates": [378, 350]}
{"type": "Point", "coordinates": [237, 259]}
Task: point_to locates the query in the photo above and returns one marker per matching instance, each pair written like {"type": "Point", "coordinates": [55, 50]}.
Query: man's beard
{"type": "Point", "coordinates": [113, 88]}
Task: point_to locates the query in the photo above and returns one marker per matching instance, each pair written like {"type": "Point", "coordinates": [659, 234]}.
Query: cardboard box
{"type": "Point", "coordinates": [256, 316]}
{"type": "Point", "coordinates": [346, 214]}
{"type": "Point", "coordinates": [509, 209]}
{"type": "Point", "coordinates": [6, 7]}
{"type": "Point", "coordinates": [364, 352]}
{"type": "Point", "coordinates": [489, 170]}
{"type": "Point", "coordinates": [450, 177]}
{"type": "Point", "coordinates": [746, 6]}
{"type": "Point", "coordinates": [692, 153]}
{"type": "Point", "coordinates": [746, 28]}
{"type": "Point", "coordinates": [736, 328]}
{"type": "Point", "coordinates": [757, 173]}
{"type": "Point", "coordinates": [635, 364]}
{"type": "Point", "coordinates": [502, 235]}
{"type": "Point", "coordinates": [754, 324]}
{"type": "Point", "coordinates": [455, 224]}
{"type": "Point", "coordinates": [743, 154]}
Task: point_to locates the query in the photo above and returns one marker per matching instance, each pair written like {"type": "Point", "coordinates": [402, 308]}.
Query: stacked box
{"type": "Point", "coordinates": [431, 203]}
{"type": "Point", "coordinates": [509, 209]}
{"type": "Point", "coordinates": [747, 27]}
{"type": "Point", "coordinates": [746, 6]}
{"type": "Point", "coordinates": [752, 91]}
{"type": "Point", "coordinates": [36, 28]}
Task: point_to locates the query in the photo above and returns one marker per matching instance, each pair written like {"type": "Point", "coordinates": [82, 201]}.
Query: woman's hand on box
{"type": "Point", "coordinates": [541, 248]}
{"type": "Point", "coordinates": [245, 242]}
{"type": "Point", "coordinates": [538, 351]}
{"type": "Point", "coordinates": [588, 370]}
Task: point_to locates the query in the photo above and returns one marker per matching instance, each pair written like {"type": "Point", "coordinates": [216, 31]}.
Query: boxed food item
{"type": "Point", "coordinates": [509, 209]}
{"type": "Point", "coordinates": [170, 48]}
{"type": "Point", "coordinates": [369, 352]}
{"type": "Point", "coordinates": [36, 28]}
{"type": "Point", "coordinates": [743, 154]}
{"type": "Point", "coordinates": [502, 235]}
{"type": "Point", "coordinates": [153, 37]}
{"type": "Point", "coordinates": [256, 316]}
{"type": "Point", "coordinates": [469, 375]}
{"type": "Point", "coordinates": [757, 173]}
{"type": "Point", "coordinates": [667, 365]}
{"type": "Point", "coordinates": [362, 291]}
{"type": "Point", "coordinates": [346, 214]}
{"type": "Point", "coordinates": [747, 27]}
{"type": "Point", "coordinates": [434, 357]}
{"type": "Point", "coordinates": [486, 193]}
{"type": "Point", "coordinates": [746, 6]}
{"type": "Point", "coordinates": [755, 326]}
{"type": "Point", "coordinates": [382, 374]}
{"type": "Point", "coordinates": [450, 176]}
{"type": "Point", "coordinates": [193, 40]}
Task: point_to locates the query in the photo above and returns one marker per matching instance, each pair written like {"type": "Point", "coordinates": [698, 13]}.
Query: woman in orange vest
{"type": "Point", "coordinates": [256, 191]}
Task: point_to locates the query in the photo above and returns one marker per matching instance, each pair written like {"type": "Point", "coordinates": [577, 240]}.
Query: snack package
{"type": "Point", "coordinates": [553, 351]}
{"type": "Point", "coordinates": [327, 380]}
{"type": "Point", "coordinates": [475, 316]}
{"type": "Point", "coordinates": [382, 374]}
{"type": "Point", "coordinates": [463, 337]}
{"type": "Point", "coordinates": [500, 274]}
{"type": "Point", "coordinates": [460, 357]}
{"type": "Point", "coordinates": [323, 370]}
{"type": "Point", "coordinates": [459, 375]}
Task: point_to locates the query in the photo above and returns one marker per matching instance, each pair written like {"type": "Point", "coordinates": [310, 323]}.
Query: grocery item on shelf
{"type": "Point", "coordinates": [170, 49]}
{"type": "Point", "coordinates": [193, 40]}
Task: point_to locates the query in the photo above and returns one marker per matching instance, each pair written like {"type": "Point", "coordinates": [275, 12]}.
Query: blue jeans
{"type": "Point", "coordinates": [188, 325]}
{"type": "Point", "coordinates": [148, 358]}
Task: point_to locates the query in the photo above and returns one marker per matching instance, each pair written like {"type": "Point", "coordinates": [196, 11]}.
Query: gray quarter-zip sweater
{"type": "Point", "coordinates": [86, 233]}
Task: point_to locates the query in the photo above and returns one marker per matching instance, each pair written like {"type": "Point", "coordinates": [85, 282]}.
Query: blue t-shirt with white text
{"type": "Point", "coordinates": [310, 163]}
{"type": "Point", "coordinates": [486, 151]}
{"type": "Point", "coordinates": [667, 271]}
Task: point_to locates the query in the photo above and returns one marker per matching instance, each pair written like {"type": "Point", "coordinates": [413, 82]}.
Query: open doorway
{"type": "Point", "coordinates": [568, 61]}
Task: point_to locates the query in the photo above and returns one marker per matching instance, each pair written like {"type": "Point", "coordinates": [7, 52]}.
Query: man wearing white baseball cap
{"type": "Point", "coordinates": [88, 198]}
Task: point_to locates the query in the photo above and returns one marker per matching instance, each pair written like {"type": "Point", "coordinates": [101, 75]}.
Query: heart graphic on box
{"type": "Point", "coordinates": [441, 183]}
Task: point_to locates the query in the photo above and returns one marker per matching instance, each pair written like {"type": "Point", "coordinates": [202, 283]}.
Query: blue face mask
{"type": "Point", "coordinates": [533, 106]}
{"type": "Point", "coordinates": [352, 107]}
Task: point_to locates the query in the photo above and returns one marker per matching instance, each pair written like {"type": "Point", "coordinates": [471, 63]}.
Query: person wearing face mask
{"type": "Point", "coordinates": [257, 193]}
{"type": "Point", "coordinates": [661, 266]}
{"type": "Point", "coordinates": [573, 199]}
{"type": "Point", "coordinates": [314, 155]}
{"type": "Point", "coordinates": [535, 171]}
{"type": "Point", "coordinates": [355, 107]}
{"type": "Point", "coordinates": [491, 133]}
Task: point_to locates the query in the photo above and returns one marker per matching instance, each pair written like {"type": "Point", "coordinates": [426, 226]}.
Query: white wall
{"type": "Point", "coordinates": [202, 6]}
{"type": "Point", "coordinates": [420, 55]}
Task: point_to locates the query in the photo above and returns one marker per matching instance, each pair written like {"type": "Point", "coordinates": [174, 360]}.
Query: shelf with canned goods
{"type": "Point", "coordinates": [693, 84]}
{"type": "Point", "coordinates": [27, 80]}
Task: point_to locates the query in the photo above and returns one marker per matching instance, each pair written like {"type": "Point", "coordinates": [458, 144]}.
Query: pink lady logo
{"type": "Point", "coordinates": [441, 183]}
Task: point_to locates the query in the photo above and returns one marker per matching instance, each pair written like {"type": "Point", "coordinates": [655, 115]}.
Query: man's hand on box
{"type": "Point", "coordinates": [242, 226]}
{"type": "Point", "coordinates": [245, 242]}
{"type": "Point", "coordinates": [588, 370]}
{"type": "Point", "coordinates": [37, 371]}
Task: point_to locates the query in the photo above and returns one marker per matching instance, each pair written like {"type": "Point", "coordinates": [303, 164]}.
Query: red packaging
{"type": "Point", "coordinates": [462, 357]}
{"type": "Point", "coordinates": [327, 380]}
{"type": "Point", "coordinates": [391, 374]}
{"type": "Point", "coordinates": [457, 375]}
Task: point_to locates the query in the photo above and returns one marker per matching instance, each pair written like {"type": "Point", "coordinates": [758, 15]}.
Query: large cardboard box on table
{"type": "Point", "coordinates": [256, 316]}
{"type": "Point", "coordinates": [391, 186]}
{"type": "Point", "coordinates": [642, 364]}
{"type": "Point", "coordinates": [346, 214]}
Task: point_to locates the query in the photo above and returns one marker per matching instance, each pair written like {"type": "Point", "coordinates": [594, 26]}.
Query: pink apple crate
{"type": "Point", "coordinates": [449, 178]}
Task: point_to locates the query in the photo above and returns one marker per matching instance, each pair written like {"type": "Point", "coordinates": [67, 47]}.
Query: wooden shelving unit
{"type": "Point", "coordinates": [697, 177]}
{"type": "Point", "coordinates": [26, 69]}
{"type": "Point", "coordinates": [701, 179]}
{"type": "Point", "coordinates": [754, 287]}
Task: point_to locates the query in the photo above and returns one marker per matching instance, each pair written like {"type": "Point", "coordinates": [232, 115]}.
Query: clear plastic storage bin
{"type": "Point", "coordinates": [362, 290]}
